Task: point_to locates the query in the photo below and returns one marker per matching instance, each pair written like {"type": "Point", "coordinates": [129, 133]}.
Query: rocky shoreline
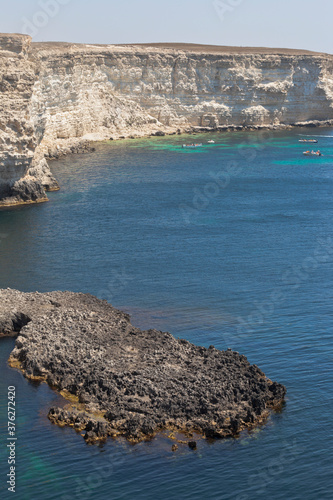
{"type": "Point", "coordinates": [82, 146]}
{"type": "Point", "coordinates": [122, 381]}
{"type": "Point", "coordinates": [33, 188]}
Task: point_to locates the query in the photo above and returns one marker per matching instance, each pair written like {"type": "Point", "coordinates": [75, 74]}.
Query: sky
{"type": "Point", "coordinates": [298, 24]}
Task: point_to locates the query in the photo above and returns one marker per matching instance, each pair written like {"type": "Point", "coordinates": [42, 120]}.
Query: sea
{"type": "Point", "coordinates": [227, 244]}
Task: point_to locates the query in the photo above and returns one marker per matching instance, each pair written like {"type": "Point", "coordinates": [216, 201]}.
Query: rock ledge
{"type": "Point", "coordinates": [125, 381]}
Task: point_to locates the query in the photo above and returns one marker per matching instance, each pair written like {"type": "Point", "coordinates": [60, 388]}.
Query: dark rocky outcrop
{"type": "Point", "coordinates": [125, 381]}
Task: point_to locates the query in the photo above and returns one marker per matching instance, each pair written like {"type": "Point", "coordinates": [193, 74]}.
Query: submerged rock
{"type": "Point", "coordinates": [125, 381]}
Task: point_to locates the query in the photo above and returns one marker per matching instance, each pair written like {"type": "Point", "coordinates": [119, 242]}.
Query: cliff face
{"type": "Point", "coordinates": [98, 89]}
{"type": "Point", "coordinates": [22, 174]}
{"type": "Point", "coordinates": [55, 95]}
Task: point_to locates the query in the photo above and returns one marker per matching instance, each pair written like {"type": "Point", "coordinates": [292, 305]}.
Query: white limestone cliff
{"type": "Point", "coordinates": [23, 175]}
{"type": "Point", "coordinates": [56, 95]}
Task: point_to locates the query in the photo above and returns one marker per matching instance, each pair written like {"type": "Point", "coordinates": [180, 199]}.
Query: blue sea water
{"type": "Point", "coordinates": [230, 244]}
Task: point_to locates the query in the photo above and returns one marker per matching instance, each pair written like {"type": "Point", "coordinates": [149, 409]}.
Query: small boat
{"type": "Point", "coordinates": [211, 142]}
{"type": "Point", "coordinates": [192, 145]}
{"type": "Point", "coordinates": [308, 140]}
{"type": "Point", "coordinates": [312, 153]}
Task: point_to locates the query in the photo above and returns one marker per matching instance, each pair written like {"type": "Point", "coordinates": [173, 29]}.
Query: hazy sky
{"type": "Point", "coordinates": [304, 24]}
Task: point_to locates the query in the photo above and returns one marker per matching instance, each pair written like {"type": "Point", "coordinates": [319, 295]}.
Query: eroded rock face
{"type": "Point", "coordinates": [23, 174]}
{"type": "Point", "coordinates": [127, 381]}
{"type": "Point", "coordinates": [56, 95]}
{"type": "Point", "coordinates": [121, 90]}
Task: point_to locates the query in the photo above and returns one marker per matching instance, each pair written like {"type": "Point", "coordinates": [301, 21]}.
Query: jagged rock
{"type": "Point", "coordinates": [127, 381]}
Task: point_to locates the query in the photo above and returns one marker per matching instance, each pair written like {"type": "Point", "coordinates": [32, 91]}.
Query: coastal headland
{"type": "Point", "coordinates": [56, 98]}
{"type": "Point", "coordinates": [122, 381]}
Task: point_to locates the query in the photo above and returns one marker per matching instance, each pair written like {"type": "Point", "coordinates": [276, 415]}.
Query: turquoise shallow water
{"type": "Point", "coordinates": [230, 244]}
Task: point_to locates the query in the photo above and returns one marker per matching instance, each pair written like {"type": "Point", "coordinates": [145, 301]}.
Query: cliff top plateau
{"type": "Point", "coordinates": [9, 38]}
{"type": "Point", "coordinates": [188, 47]}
